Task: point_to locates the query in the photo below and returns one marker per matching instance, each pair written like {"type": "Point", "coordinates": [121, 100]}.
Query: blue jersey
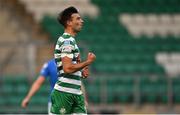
{"type": "Point", "coordinates": [49, 70]}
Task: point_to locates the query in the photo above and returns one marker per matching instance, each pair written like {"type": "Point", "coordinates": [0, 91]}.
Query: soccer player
{"type": "Point", "coordinates": [67, 97]}
{"type": "Point", "coordinates": [49, 69]}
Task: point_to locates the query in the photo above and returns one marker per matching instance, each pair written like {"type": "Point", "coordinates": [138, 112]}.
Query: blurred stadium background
{"type": "Point", "coordinates": [137, 43]}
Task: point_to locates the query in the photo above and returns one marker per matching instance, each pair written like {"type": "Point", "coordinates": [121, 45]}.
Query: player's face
{"type": "Point", "coordinates": [77, 22]}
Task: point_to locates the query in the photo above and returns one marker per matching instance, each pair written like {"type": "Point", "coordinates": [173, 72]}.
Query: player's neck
{"type": "Point", "coordinates": [70, 31]}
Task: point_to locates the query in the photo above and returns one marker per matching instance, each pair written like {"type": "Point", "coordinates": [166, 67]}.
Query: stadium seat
{"type": "Point", "coordinates": [93, 90]}
{"type": "Point", "coordinates": [120, 89]}
{"type": "Point", "coordinates": [176, 89]}
{"type": "Point", "coordinates": [153, 88]}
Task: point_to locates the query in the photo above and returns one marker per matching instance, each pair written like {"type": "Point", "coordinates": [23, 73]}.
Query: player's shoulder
{"type": "Point", "coordinates": [45, 65]}
{"type": "Point", "coordinates": [66, 36]}
{"type": "Point", "coordinates": [51, 61]}
{"type": "Point", "coordinates": [65, 40]}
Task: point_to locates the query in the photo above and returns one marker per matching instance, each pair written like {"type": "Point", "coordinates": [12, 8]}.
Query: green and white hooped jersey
{"type": "Point", "coordinates": [70, 83]}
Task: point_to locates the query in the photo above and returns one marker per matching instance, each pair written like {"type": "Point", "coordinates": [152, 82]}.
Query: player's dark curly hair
{"type": "Point", "coordinates": [65, 15]}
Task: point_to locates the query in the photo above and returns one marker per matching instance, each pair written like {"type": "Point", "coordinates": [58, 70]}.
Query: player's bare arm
{"type": "Point", "coordinates": [35, 87]}
{"type": "Point", "coordinates": [69, 67]}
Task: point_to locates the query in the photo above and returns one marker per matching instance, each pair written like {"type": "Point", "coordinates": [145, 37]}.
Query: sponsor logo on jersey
{"type": "Point", "coordinates": [67, 48]}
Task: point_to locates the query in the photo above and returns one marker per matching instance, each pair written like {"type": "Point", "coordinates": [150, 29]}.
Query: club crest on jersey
{"type": "Point", "coordinates": [62, 110]}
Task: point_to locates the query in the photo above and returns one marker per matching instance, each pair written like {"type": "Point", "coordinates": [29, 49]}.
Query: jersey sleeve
{"type": "Point", "coordinates": [67, 49]}
{"type": "Point", "coordinates": [44, 70]}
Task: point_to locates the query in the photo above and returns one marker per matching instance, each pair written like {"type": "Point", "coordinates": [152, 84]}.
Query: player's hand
{"type": "Point", "coordinates": [25, 103]}
{"type": "Point", "coordinates": [91, 57]}
{"type": "Point", "coordinates": [86, 103]}
{"type": "Point", "coordinates": [85, 72]}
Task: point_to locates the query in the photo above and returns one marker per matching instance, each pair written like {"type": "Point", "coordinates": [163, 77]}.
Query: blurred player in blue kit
{"type": "Point", "coordinates": [49, 70]}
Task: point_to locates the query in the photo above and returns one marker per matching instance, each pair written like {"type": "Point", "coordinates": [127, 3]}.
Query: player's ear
{"type": "Point", "coordinates": [69, 22]}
